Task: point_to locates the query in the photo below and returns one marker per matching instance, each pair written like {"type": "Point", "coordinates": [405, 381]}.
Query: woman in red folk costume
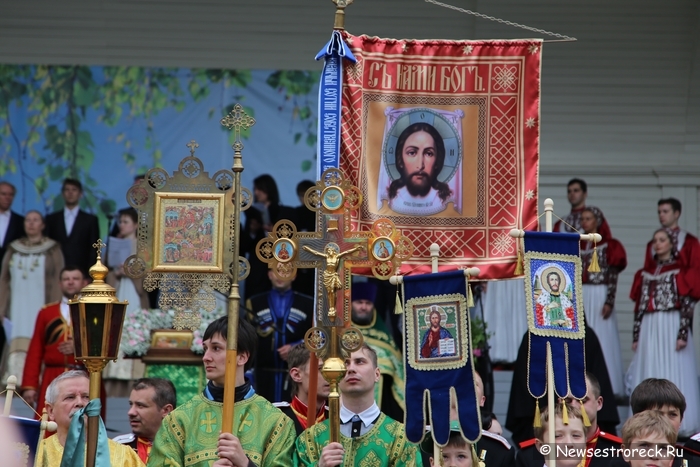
{"type": "Point", "coordinates": [662, 325]}
{"type": "Point", "coordinates": [599, 290]}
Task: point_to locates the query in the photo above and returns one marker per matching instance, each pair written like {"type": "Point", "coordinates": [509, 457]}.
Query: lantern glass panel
{"type": "Point", "coordinates": [75, 323]}
{"type": "Point", "coordinates": [115, 329]}
{"type": "Point", "coordinates": [94, 326]}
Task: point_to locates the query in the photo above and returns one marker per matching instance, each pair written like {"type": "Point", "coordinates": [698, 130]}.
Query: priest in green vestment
{"type": "Point", "coordinates": [367, 436]}
{"type": "Point", "coordinates": [389, 392]}
{"type": "Point", "coordinates": [191, 434]}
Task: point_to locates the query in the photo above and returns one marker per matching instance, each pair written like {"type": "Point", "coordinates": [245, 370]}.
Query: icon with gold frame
{"type": "Point", "coordinates": [383, 249]}
{"type": "Point", "coordinates": [284, 250]}
{"type": "Point", "coordinates": [332, 198]}
{"type": "Point", "coordinates": [170, 339]}
{"type": "Point", "coordinates": [190, 229]}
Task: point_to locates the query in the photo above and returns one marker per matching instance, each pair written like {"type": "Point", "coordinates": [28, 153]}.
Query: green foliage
{"type": "Point", "coordinates": [296, 87]}
{"type": "Point", "coordinates": [480, 336]}
{"type": "Point", "coordinates": [57, 100]}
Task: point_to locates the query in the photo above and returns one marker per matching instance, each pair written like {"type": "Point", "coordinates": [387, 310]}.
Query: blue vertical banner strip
{"type": "Point", "coordinates": [553, 295]}
{"type": "Point", "coordinates": [330, 102]}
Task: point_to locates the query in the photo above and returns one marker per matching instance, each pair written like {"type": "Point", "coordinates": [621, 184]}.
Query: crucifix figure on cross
{"type": "Point", "coordinates": [331, 278]}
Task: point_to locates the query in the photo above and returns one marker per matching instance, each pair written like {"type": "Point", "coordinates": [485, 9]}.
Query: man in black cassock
{"type": "Point", "coordinates": [521, 406]}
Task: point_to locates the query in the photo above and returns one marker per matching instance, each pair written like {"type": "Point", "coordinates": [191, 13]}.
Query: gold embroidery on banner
{"type": "Point", "coordinates": [420, 308]}
{"type": "Point", "coordinates": [534, 286]}
{"type": "Point", "coordinates": [22, 454]}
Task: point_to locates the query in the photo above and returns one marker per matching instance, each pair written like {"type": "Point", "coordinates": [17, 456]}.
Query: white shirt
{"type": "Point", "coordinates": [4, 224]}
{"type": "Point", "coordinates": [69, 216]}
{"type": "Point", "coordinates": [368, 417]}
{"type": "Point", "coordinates": [65, 309]}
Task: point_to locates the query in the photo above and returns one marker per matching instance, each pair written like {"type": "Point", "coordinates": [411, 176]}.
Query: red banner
{"type": "Point", "coordinates": [442, 137]}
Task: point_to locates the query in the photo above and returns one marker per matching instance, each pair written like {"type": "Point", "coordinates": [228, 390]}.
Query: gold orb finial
{"type": "Point", "coordinates": [98, 271]}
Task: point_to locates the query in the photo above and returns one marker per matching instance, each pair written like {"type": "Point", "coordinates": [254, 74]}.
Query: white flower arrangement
{"type": "Point", "coordinates": [136, 332]}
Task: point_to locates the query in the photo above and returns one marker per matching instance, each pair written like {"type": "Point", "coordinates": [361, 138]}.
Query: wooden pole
{"type": "Point", "coordinates": [11, 386]}
{"type": "Point", "coordinates": [434, 256]}
{"type": "Point", "coordinates": [551, 423]}
{"type": "Point", "coordinates": [313, 386]}
{"type": "Point", "coordinates": [93, 422]}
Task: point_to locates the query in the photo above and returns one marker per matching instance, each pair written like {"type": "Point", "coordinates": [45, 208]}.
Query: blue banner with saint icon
{"type": "Point", "coordinates": [438, 356]}
{"type": "Point", "coordinates": [554, 300]}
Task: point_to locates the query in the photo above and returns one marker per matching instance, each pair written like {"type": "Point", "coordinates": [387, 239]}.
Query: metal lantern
{"type": "Point", "coordinates": [97, 317]}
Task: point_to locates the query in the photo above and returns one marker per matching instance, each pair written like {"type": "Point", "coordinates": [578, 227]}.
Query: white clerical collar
{"type": "Point", "coordinates": [368, 416]}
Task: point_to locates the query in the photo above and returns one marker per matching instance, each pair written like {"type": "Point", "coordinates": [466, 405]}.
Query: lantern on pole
{"type": "Point", "coordinates": [97, 317]}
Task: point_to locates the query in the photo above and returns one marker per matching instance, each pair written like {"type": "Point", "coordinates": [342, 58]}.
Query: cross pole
{"type": "Point", "coordinates": [333, 250]}
{"type": "Point", "coordinates": [236, 120]}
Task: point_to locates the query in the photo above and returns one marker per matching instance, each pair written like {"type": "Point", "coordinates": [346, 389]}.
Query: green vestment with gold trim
{"type": "Point", "coordinates": [385, 444]}
{"type": "Point", "coordinates": [189, 434]}
{"type": "Point", "coordinates": [389, 360]}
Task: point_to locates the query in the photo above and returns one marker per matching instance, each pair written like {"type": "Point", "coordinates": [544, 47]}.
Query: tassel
{"type": "Point", "coordinates": [538, 422]}
{"type": "Point", "coordinates": [594, 267]}
{"type": "Point", "coordinates": [470, 297]}
{"type": "Point", "coordinates": [519, 263]}
{"type": "Point", "coordinates": [398, 309]}
{"type": "Point", "coordinates": [564, 413]}
{"type": "Point", "coordinates": [584, 415]}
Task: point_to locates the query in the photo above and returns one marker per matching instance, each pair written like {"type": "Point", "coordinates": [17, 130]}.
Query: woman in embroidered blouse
{"type": "Point", "coordinates": [662, 342]}
{"type": "Point", "coordinates": [599, 290]}
{"type": "Point", "coordinates": [31, 264]}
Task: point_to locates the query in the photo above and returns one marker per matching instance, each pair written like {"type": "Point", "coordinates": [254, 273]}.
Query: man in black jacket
{"type": "Point", "coordinates": [73, 228]}
{"type": "Point", "coordinates": [11, 223]}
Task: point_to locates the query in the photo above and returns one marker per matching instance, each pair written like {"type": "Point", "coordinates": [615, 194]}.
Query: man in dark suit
{"type": "Point", "coordinates": [11, 229]}
{"type": "Point", "coordinates": [73, 228]}
{"type": "Point", "coordinates": [11, 223]}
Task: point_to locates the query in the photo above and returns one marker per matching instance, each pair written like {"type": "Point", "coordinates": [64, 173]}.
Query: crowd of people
{"type": "Point", "coordinates": [53, 254]}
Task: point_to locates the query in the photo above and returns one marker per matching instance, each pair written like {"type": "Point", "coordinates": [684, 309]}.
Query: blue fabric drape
{"type": "Point", "coordinates": [74, 450]}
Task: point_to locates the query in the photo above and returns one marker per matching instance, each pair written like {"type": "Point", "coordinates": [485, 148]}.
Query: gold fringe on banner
{"type": "Point", "coordinates": [470, 296]}
{"type": "Point", "coordinates": [564, 412]}
{"type": "Point", "coordinates": [584, 415]}
{"type": "Point", "coordinates": [594, 267]}
{"type": "Point", "coordinates": [538, 422]}
{"type": "Point", "coordinates": [398, 309]}
{"type": "Point", "coordinates": [519, 262]}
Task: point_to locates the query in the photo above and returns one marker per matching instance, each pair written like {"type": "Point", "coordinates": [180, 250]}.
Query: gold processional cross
{"type": "Point", "coordinates": [334, 250]}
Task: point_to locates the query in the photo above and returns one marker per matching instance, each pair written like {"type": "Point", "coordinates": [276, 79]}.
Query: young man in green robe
{"type": "Point", "coordinates": [389, 392]}
{"type": "Point", "coordinates": [367, 436]}
{"type": "Point", "coordinates": [191, 434]}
